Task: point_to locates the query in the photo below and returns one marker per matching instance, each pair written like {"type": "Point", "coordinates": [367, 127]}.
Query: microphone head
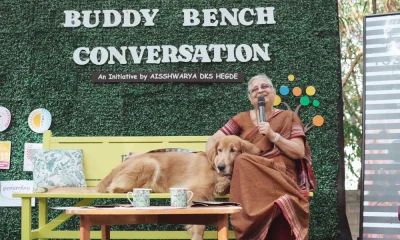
{"type": "Point", "coordinates": [261, 101]}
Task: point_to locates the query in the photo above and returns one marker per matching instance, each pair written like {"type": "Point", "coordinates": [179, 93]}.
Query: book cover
{"type": "Point", "coordinates": [5, 154]}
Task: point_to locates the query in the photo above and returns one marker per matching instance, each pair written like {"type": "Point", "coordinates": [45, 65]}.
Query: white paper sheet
{"type": "Point", "coordinates": [28, 165]}
{"type": "Point", "coordinates": [7, 188]}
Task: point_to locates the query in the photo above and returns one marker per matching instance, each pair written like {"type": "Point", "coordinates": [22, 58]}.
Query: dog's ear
{"type": "Point", "coordinates": [212, 152]}
{"type": "Point", "coordinates": [249, 147]}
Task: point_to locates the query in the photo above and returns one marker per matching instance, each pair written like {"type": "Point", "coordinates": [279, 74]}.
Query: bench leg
{"type": "Point", "coordinates": [85, 228]}
{"type": "Point", "coordinates": [42, 214]}
{"type": "Point", "coordinates": [223, 227]}
{"type": "Point", "coordinates": [26, 219]}
{"type": "Point", "coordinates": [105, 232]}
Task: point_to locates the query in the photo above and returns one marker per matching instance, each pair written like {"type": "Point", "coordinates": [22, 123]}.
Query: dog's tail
{"type": "Point", "coordinates": [103, 184]}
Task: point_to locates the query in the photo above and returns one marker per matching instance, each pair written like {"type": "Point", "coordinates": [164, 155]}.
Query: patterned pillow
{"type": "Point", "coordinates": [57, 168]}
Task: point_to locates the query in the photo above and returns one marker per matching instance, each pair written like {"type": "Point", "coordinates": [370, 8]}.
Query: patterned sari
{"type": "Point", "coordinates": [272, 188]}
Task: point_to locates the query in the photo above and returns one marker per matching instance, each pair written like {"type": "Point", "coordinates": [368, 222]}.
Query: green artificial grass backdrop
{"type": "Point", "coordinates": [37, 70]}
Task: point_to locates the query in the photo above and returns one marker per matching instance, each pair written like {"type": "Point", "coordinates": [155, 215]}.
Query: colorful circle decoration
{"type": "Point", "coordinates": [5, 118]}
{"type": "Point", "coordinates": [304, 100]}
{"type": "Point", "coordinates": [284, 90]}
{"type": "Point", "coordinates": [291, 77]}
{"type": "Point", "coordinates": [297, 91]}
{"type": "Point", "coordinates": [39, 120]}
{"type": "Point", "coordinates": [316, 103]}
{"type": "Point", "coordinates": [277, 100]}
{"type": "Point", "coordinates": [318, 120]}
{"type": "Point", "coordinates": [310, 90]}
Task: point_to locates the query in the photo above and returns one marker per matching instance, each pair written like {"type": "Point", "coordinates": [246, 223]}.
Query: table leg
{"type": "Point", "coordinates": [223, 227]}
{"type": "Point", "coordinates": [105, 232]}
{"type": "Point", "coordinates": [85, 228]}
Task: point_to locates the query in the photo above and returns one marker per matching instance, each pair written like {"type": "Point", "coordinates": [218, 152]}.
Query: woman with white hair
{"type": "Point", "coordinates": [272, 187]}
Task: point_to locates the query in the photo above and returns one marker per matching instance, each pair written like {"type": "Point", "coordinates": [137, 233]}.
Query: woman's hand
{"type": "Point", "coordinates": [293, 148]}
{"type": "Point", "coordinates": [265, 129]}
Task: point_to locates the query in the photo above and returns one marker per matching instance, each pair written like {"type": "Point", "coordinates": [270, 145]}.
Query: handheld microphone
{"type": "Point", "coordinates": [261, 108]}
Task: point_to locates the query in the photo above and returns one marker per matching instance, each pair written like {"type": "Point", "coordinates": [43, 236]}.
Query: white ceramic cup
{"type": "Point", "coordinates": [140, 197]}
{"type": "Point", "coordinates": [179, 197]}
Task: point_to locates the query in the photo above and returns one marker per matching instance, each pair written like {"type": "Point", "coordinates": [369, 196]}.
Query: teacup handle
{"type": "Point", "coordinates": [191, 196]}
{"type": "Point", "coordinates": [129, 199]}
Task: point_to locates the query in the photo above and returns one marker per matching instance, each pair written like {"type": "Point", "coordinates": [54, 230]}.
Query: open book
{"type": "Point", "coordinates": [213, 204]}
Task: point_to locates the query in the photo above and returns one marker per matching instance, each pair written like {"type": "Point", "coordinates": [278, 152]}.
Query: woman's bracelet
{"type": "Point", "coordinates": [276, 138]}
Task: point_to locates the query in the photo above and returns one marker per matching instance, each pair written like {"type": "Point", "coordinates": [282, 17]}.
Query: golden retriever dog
{"type": "Point", "coordinates": [204, 174]}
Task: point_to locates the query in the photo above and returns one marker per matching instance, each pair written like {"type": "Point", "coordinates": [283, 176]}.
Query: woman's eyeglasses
{"type": "Point", "coordinates": [262, 87]}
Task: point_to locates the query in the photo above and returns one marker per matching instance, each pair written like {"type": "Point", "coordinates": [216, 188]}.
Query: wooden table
{"type": "Point", "coordinates": [157, 214]}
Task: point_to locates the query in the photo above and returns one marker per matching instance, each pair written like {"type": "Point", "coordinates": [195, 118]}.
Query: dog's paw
{"type": "Point", "coordinates": [222, 188]}
{"type": "Point", "coordinates": [101, 189]}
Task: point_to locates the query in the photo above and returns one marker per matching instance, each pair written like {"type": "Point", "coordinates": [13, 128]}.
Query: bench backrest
{"type": "Point", "coordinates": [102, 154]}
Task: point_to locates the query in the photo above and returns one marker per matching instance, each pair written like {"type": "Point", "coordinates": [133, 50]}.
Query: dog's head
{"type": "Point", "coordinates": [226, 149]}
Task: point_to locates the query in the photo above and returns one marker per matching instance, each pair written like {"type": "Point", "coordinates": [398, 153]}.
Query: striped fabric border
{"type": "Point", "coordinates": [263, 230]}
{"type": "Point", "coordinates": [288, 211]}
{"type": "Point", "coordinates": [231, 128]}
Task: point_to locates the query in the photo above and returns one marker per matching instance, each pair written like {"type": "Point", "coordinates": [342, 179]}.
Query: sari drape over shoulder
{"type": "Point", "coordinates": [270, 185]}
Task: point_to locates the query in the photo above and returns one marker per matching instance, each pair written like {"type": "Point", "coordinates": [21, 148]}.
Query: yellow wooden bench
{"type": "Point", "coordinates": [100, 155]}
